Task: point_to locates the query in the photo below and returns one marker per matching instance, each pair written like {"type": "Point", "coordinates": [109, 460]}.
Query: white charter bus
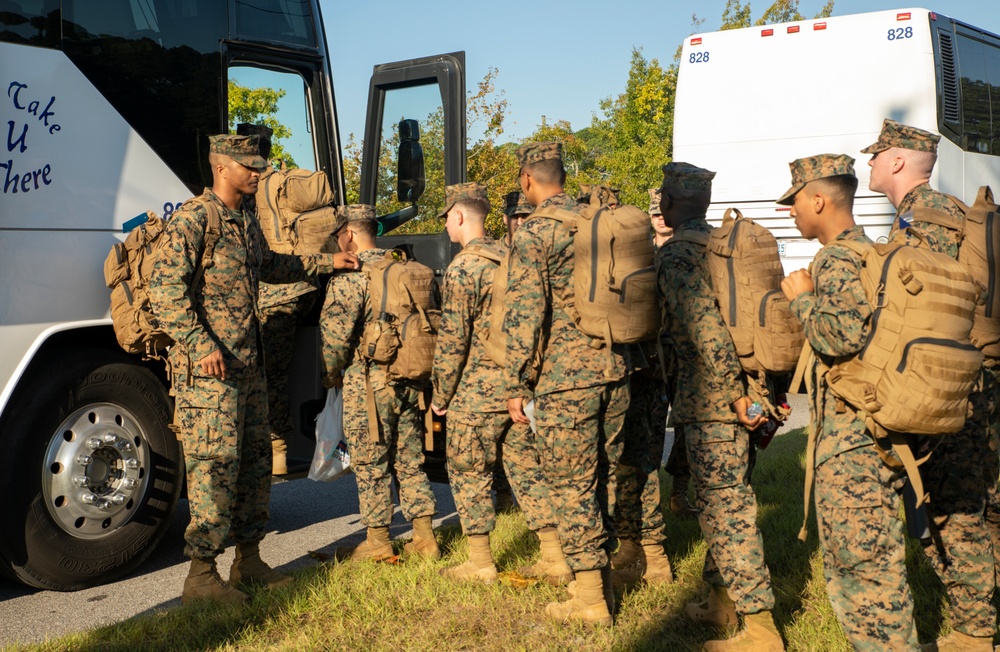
{"type": "Point", "coordinates": [751, 100]}
{"type": "Point", "coordinates": [106, 109]}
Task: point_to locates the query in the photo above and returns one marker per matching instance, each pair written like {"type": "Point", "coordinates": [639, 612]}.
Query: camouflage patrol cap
{"type": "Point", "coordinates": [531, 153]}
{"type": "Point", "coordinates": [811, 168]}
{"type": "Point", "coordinates": [355, 213]}
{"type": "Point", "coordinates": [654, 201]}
{"type": "Point", "coordinates": [895, 134]}
{"type": "Point", "coordinates": [591, 193]}
{"type": "Point", "coordinates": [247, 129]}
{"type": "Point", "coordinates": [245, 150]}
{"type": "Point", "coordinates": [687, 176]}
{"type": "Point", "coordinates": [515, 203]}
{"type": "Point", "coordinates": [457, 192]}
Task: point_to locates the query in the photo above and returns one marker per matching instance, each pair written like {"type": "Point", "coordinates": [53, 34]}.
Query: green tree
{"type": "Point", "coordinates": [737, 14]}
{"type": "Point", "coordinates": [634, 137]}
{"type": "Point", "coordinates": [260, 106]}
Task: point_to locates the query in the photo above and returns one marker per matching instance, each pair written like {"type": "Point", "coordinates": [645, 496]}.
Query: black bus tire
{"type": "Point", "coordinates": [91, 471]}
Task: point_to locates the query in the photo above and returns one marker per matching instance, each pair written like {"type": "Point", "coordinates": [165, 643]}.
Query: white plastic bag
{"type": "Point", "coordinates": [331, 458]}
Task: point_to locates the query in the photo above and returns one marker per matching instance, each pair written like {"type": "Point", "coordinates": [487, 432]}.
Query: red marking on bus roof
{"type": "Point", "coordinates": [819, 26]}
{"type": "Point", "coordinates": [696, 41]}
{"type": "Point", "coordinates": [783, 210]}
{"type": "Point", "coordinates": [932, 15]}
{"type": "Point", "coordinates": [767, 32]}
{"type": "Point", "coordinates": [793, 29]}
{"type": "Point", "coordinates": [903, 16]}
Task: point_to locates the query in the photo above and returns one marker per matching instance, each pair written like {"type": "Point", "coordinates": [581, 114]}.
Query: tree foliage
{"type": "Point", "coordinates": [737, 14]}
{"type": "Point", "coordinates": [634, 137]}
{"type": "Point", "coordinates": [260, 106]}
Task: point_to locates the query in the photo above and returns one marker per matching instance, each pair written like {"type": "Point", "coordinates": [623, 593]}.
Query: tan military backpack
{"type": "Point", "coordinates": [918, 365]}
{"type": "Point", "coordinates": [746, 276]}
{"type": "Point", "coordinates": [295, 211]}
{"type": "Point", "coordinates": [406, 316]}
{"type": "Point", "coordinates": [127, 270]}
{"type": "Point", "coordinates": [614, 281]}
{"type": "Point", "coordinates": [978, 251]}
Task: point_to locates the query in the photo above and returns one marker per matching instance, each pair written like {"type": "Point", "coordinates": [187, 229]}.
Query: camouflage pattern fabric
{"type": "Point", "coordinates": [708, 380]}
{"type": "Point", "coordinates": [229, 417]}
{"type": "Point", "coordinates": [720, 457]}
{"type": "Point", "coordinates": [857, 505]}
{"type": "Point", "coordinates": [222, 313]}
{"type": "Point", "coordinates": [951, 476]}
{"type": "Point", "coordinates": [223, 430]}
{"type": "Point", "coordinates": [528, 478]}
{"type": "Point", "coordinates": [677, 174]}
{"type": "Point", "coordinates": [940, 238]}
{"type": "Point", "coordinates": [245, 150]}
{"type": "Point", "coordinates": [638, 514]}
{"type": "Point", "coordinates": [468, 383]}
{"type": "Point", "coordinates": [991, 462]}
{"type": "Point", "coordinates": [399, 443]}
{"type": "Point", "coordinates": [458, 192]}
{"type": "Point", "coordinates": [811, 168]}
{"type": "Point", "coordinates": [579, 443]}
{"type": "Point", "coordinates": [472, 444]}
{"type": "Point", "coordinates": [531, 153]}
{"type": "Point", "coordinates": [464, 377]}
{"type": "Point", "coordinates": [896, 134]}
{"type": "Point", "coordinates": [278, 324]}
{"type": "Point", "coordinates": [539, 296]}
{"type": "Point", "coordinates": [580, 392]}
{"type": "Point", "coordinates": [697, 342]}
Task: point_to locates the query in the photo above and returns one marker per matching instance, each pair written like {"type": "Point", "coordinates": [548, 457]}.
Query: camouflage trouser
{"type": "Point", "coordinates": [277, 328]}
{"type": "Point", "coordinates": [958, 477]}
{"type": "Point", "coordinates": [500, 482]}
{"type": "Point", "coordinates": [579, 443]}
{"type": "Point", "coordinates": [473, 439]}
{"type": "Point", "coordinates": [222, 426]}
{"type": "Point", "coordinates": [638, 514]}
{"type": "Point", "coordinates": [991, 468]}
{"type": "Point", "coordinates": [857, 512]}
{"type": "Point", "coordinates": [528, 478]}
{"type": "Point", "coordinates": [399, 446]}
{"type": "Point", "coordinates": [719, 454]}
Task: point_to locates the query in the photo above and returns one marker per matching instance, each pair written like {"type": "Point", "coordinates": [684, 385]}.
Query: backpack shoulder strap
{"type": "Point", "coordinates": [567, 217]}
{"type": "Point", "coordinates": [859, 248]}
{"type": "Point", "coordinates": [488, 252]}
{"type": "Point", "coordinates": [213, 232]}
{"type": "Point", "coordinates": [940, 218]}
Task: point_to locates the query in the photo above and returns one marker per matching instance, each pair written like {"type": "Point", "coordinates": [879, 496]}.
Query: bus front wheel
{"type": "Point", "coordinates": [91, 468]}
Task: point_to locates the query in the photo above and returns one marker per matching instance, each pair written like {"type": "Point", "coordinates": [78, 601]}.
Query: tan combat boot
{"type": "Point", "coordinates": [249, 568]}
{"type": "Point", "coordinates": [480, 567]}
{"type": "Point", "coordinates": [587, 603]}
{"type": "Point", "coordinates": [203, 583]}
{"type": "Point", "coordinates": [279, 456]}
{"type": "Point", "coordinates": [551, 567]}
{"type": "Point", "coordinates": [657, 565]}
{"type": "Point", "coordinates": [717, 610]}
{"type": "Point", "coordinates": [959, 642]}
{"type": "Point", "coordinates": [679, 503]}
{"type": "Point", "coordinates": [375, 547]}
{"type": "Point", "coordinates": [759, 634]}
{"type": "Point", "coordinates": [423, 544]}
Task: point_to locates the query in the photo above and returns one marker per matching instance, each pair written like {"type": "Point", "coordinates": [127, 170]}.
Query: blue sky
{"type": "Point", "coordinates": [555, 59]}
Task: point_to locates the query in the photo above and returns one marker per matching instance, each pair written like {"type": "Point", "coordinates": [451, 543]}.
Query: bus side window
{"type": "Point", "coordinates": [975, 88]}
{"type": "Point", "coordinates": [993, 73]}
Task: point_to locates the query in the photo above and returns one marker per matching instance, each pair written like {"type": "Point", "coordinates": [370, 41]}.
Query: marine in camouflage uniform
{"type": "Point", "coordinates": [857, 505]}
{"type": "Point", "coordinates": [710, 405]}
{"type": "Point", "coordinates": [283, 308]}
{"type": "Point", "coordinates": [220, 394]}
{"type": "Point", "coordinates": [961, 475]}
{"type": "Point", "coordinates": [580, 392]}
{"type": "Point", "coordinates": [467, 382]}
{"type": "Point", "coordinates": [397, 447]}
{"type": "Point", "coordinates": [677, 462]}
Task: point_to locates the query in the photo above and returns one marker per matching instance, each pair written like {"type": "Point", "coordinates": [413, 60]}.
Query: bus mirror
{"type": "Point", "coordinates": [410, 162]}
